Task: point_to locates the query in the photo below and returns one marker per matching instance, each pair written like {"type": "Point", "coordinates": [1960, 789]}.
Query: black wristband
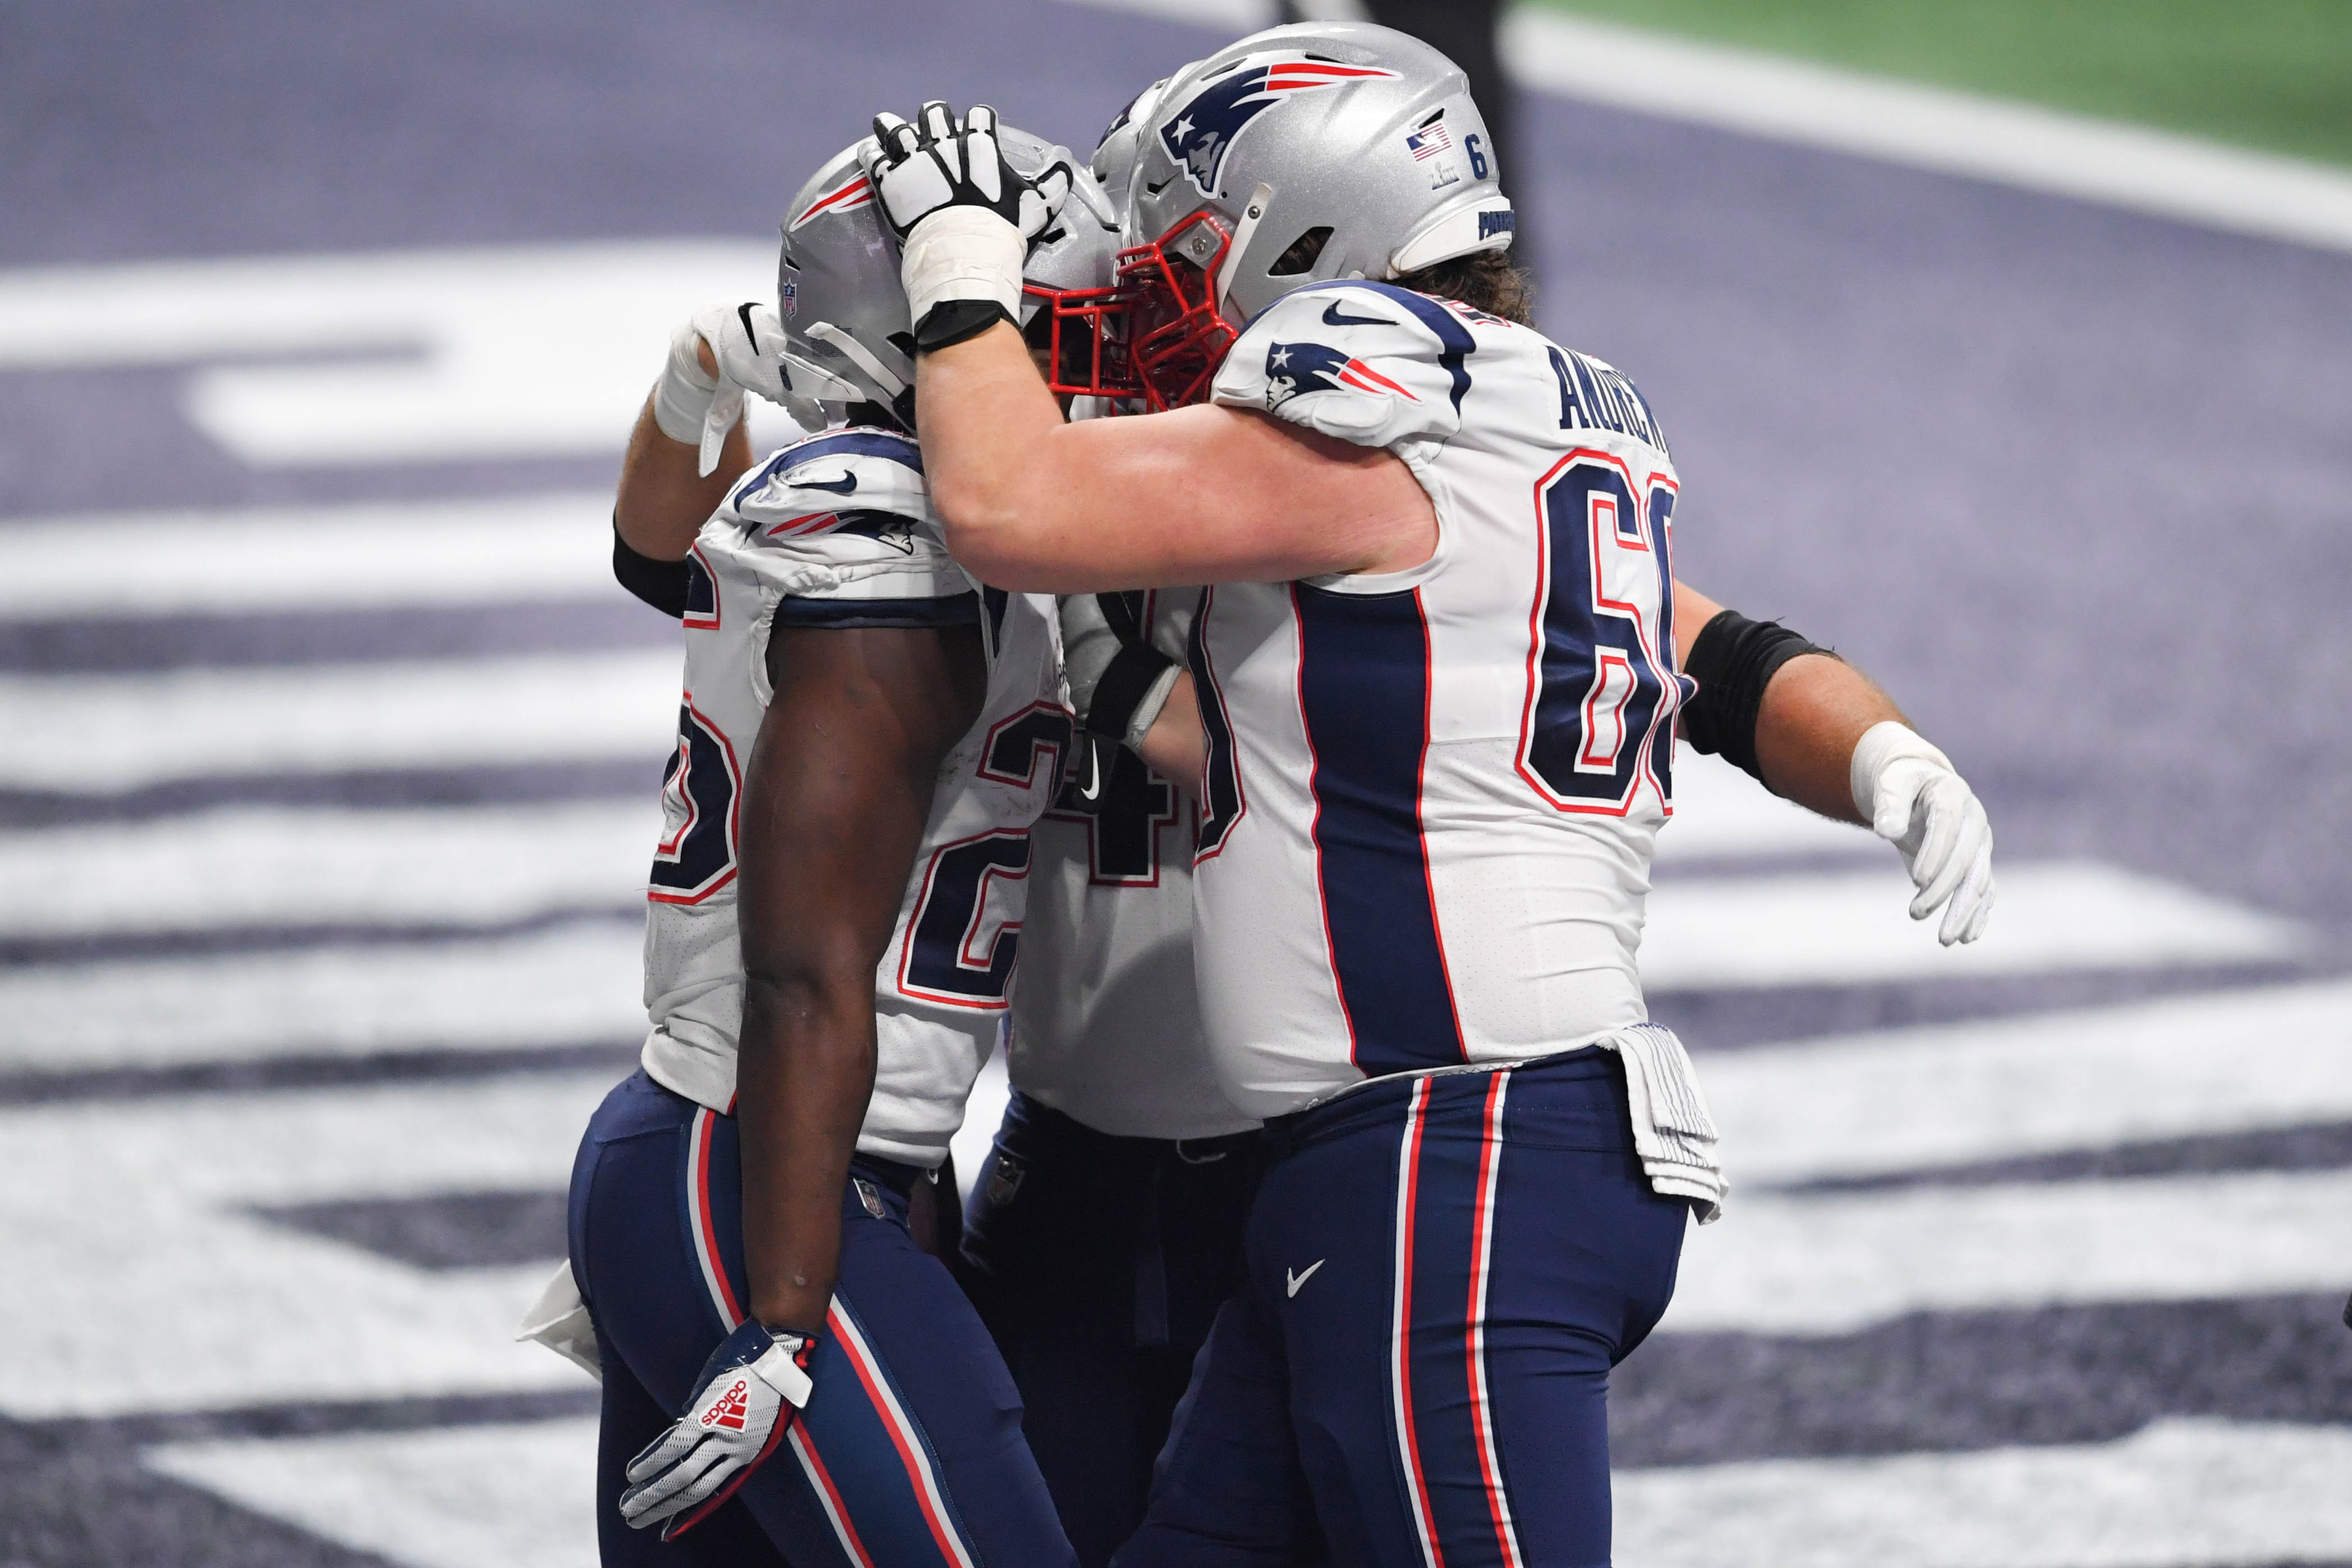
{"type": "Point", "coordinates": [1126, 681]}
{"type": "Point", "coordinates": [1733, 659]}
{"type": "Point", "coordinates": [660, 583]}
{"type": "Point", "coordinates": [950, 322]}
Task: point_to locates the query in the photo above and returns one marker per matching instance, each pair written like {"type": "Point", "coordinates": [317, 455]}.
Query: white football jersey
{"type": "Point", "coordinates": [837, 530]}
{"type": "Point", "coordinates": [1433, 794]}
{"type": "Point", "coordinates": [1105, 1028]}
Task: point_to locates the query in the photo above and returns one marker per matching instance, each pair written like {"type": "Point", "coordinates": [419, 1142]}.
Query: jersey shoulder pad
{"type": "Point", "coordinates": [843, 514]}
{"type": "Point", "coordinates": [1367, 363]}
{"type": "Point", "coordinates": [832, 472]}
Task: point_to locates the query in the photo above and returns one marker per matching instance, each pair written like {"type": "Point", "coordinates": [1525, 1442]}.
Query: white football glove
{"type": "Point", "coordinates": [1913, 797]}
{"type": "Point", "coordinates": [963, 217]}
{"type": "Point", "coordinates": [752, 1388]}
{"type": "Point", "coordinates": [695, 407]}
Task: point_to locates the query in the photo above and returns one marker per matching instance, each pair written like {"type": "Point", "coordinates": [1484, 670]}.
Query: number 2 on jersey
{"type": "Point", "coordinates": [1601, 687]}
{"type": "Point", "coordinates": [696, 856]}
{"type": "Point", "coordinates": [953, 953]}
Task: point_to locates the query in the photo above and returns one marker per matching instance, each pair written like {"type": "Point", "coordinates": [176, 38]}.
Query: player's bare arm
{"type": "Point", "coordinates": [836, 794]}
{"type": "Point", "coordinates": [1202, 494]}
{"type": "Point", "coordinates": [663, 500]}
{"type": "Point", "coordinates": [690, 445]}
{"type": "Point", "coordinates": [1815, 710]}
{"type": "Point", "coordinates": [1176, 746]}
{"type": "Point", "coordinates": [1814, 729]}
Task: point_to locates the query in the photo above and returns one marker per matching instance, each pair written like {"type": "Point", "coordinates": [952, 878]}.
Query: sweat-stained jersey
{"type": "Point", "coordinates": [1106, 1028]}
{"type": "Point", "coordinates": [836, 531]}
{"type": "Point", "coordinates": [1431, 795]}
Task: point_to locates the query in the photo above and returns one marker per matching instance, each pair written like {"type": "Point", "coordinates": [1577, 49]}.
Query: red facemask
{"type": "Point", "coordinates": [1156, 337]}
{"type": "Point", "coordinates": [1083, 332]}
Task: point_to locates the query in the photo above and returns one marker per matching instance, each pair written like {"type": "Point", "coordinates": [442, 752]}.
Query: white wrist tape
{"type": "Point", "coordinates": [1884, 742]}
{"type": "Point", "coordinates": [682, 396]}
{"type": "Point", "coordinates": [962, 252]}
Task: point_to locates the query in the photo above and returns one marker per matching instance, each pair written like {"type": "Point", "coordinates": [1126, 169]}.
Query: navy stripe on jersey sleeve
{"type": "Point", "coordinates": [842, 615]}
{"type": "Point", "coordinates": [898, 449]}
{"type": "Point", "coordinates": [1458, 344]}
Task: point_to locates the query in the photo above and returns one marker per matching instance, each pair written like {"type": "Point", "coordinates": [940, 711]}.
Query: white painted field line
{"type": "Point", "coordinates": [296, 558]}
{"type": "Point", "coordinates": [2180, 1494]}
{"type": "Point", "coordinates": [575, 984]}
{"type": "Point", "coordinates": [259, 1311]}
{"type": "Point", "coordinates": [483, 864]}
{"type": "Point", "coordinates": [1847, 928]}
{"type": "Point", "coordinates": [448, 353]}
{"type": "Point", "coordinates": [1952, 132]}
{"type": "Point", "coordinates": [453, 867]}
{"type": "Point", "coordinates": [2107, 161]}
{"type": "Point", "coordinates": [1831, 1264]}
{"type": "Point", "coordinates": [101, 734]}
{"type": "Point", "coordinates": [521, 1494]}
{"type": "Point", "coordinates": [1902, 1099]}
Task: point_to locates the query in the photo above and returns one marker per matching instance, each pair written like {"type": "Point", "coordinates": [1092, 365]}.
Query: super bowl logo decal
{"type": "Point", "coordinates": [1201, 132]}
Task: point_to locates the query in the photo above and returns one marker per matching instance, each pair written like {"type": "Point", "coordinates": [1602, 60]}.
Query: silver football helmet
{"type": "Point", "coordinates": [1122, 140]}
{"type": "Point", "coordinates": [847, 331]}
{"type": "Point", "coordinates": [1296, 155]}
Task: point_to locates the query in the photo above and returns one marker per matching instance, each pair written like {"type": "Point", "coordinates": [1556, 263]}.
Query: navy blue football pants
{"type": "Point", "coordinates": [1441, 1272]}
{"type": "Point", "coordinates": [1098, 1263]}
{"type": "Point", "coordinates": [910, 1453]}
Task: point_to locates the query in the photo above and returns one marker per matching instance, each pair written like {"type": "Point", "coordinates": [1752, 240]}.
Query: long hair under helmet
{"type": "Point", "coordinates": [1296, 155]}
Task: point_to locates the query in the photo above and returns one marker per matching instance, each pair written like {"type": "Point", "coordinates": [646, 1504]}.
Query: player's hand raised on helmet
{"type": "Point", "coordinates": [964, 217]}
{"type": "Point", "coordinates": [938, 161]}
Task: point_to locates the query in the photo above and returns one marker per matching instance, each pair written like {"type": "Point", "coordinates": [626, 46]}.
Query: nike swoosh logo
{"type": "Point", "coordinates": [844, 486]}
{"type": "Point", "coordinates": [1296, 1280]}
{"type": "Point", "coordinates": [1093, 788]}
{"type": "Point", "coordinates": [1331, 318]}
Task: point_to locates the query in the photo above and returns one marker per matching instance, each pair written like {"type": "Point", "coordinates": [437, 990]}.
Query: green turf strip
{"type": "Point", "coordinates": [2275, 74]}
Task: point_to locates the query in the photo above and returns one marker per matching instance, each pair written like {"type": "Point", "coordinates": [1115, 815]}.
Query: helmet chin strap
{"type": "Point", "coordinates": [857, 354]}
{"type": "Point", "coordinates": [808, 380]}
{"type": "Point", "coordinates": [1253, 213]}
{"type": "Point", "coordinates": [1094, 198]}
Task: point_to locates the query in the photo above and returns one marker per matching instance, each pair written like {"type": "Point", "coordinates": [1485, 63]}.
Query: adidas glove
{"type": "Point", "coordinates": [1912, 796]}
{"type": "Point", "coordinates": [965, 219]}
{"type": "Point", "coordinates": [749, 1392]}
{"type": "Point", "coordinates": [695, 407]}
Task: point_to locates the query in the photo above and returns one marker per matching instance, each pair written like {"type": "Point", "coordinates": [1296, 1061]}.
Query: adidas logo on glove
{"type": "Point", "coordinates": [731, 1408]}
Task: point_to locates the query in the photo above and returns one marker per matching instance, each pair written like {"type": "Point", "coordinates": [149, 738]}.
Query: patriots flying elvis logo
{"type": "Point", "coordinates": [850, 194]}
{"type": "Point", "coordinates": [1293, 370]}
{"type": "Point", "coordinates": [1201, 131]}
